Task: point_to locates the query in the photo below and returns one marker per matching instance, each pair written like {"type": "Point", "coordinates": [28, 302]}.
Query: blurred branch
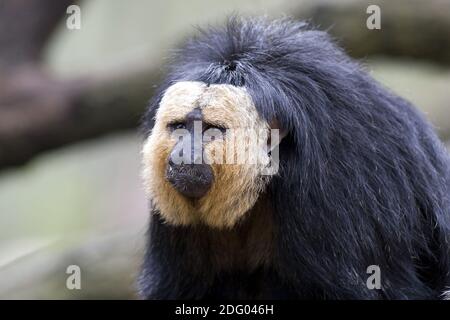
{"type": "Point", "coordinates": [38, 112]}
{"type": "Point", "coordinates": [25, 26]}
{"type": "Point", "coordinates": [409, 28]}
{"type": "Point", "coordinates": [445, 135]}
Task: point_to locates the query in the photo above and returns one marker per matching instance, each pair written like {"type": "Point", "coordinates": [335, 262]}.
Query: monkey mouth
{"type": "Point", "coordinates": [191, 180]}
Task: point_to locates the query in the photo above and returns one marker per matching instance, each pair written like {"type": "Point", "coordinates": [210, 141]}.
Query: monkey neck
{"type": "Point", "coordinates": [246, 246]}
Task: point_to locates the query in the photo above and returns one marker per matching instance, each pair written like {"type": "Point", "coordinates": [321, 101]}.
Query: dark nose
{"type": "Point", "coordinates": [191, 180]}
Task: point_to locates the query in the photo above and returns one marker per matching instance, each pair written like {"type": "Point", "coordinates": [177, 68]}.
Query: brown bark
{"type": "Point", "coordinates": [39, 113]}
{"type": "Point", "coordinates": [25, 26]}
{"type": "Point", "coordinates": [409, 28]}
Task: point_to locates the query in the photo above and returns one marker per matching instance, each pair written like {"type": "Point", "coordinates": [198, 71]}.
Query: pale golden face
{"type": "Point", "coordinates": [236, 187]}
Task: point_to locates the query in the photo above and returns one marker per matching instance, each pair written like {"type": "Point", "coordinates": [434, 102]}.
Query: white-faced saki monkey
{"type": "Point", "coordinates": [361, 182]}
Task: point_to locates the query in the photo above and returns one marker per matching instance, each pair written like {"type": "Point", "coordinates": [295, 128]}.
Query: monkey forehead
{"type": "Point", "coordinates": [220, 104]}
{"type": "Point", "coordinates": [179, 99]}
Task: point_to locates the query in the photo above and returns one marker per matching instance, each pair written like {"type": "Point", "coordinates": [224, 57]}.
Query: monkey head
{"type": "Point", "coordinates": [205, 159]}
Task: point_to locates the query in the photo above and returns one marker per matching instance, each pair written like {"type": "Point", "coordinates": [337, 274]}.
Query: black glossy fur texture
{"type": "Point", "coordinates": [363, 180]}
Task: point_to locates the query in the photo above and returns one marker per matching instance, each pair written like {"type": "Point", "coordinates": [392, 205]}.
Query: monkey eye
{"type": "Point", "coordinates": [177, 125]}
{"type": "Point", "coordinates": [207, 126]}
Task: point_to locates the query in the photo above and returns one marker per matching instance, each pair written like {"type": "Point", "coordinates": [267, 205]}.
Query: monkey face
{"type": "Point", "coordinates": [201, 161]}
{"type": "Point", "coordinates": [186, 170]}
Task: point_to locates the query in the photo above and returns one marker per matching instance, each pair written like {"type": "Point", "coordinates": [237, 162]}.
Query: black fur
{"type": "Point", "coordinates": [363, 178]}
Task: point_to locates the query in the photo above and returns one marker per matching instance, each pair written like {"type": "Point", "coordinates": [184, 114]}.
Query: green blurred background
{"type": "Point", "coordinates": [82, 203]}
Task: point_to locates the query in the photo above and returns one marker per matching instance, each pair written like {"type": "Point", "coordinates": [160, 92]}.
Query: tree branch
{"type": "Point", "coordinates": [25, 26]}
{"type": "Point", "coordinates": [409, 28]}
{"type": "Point", "coordinates": [39, 113]}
